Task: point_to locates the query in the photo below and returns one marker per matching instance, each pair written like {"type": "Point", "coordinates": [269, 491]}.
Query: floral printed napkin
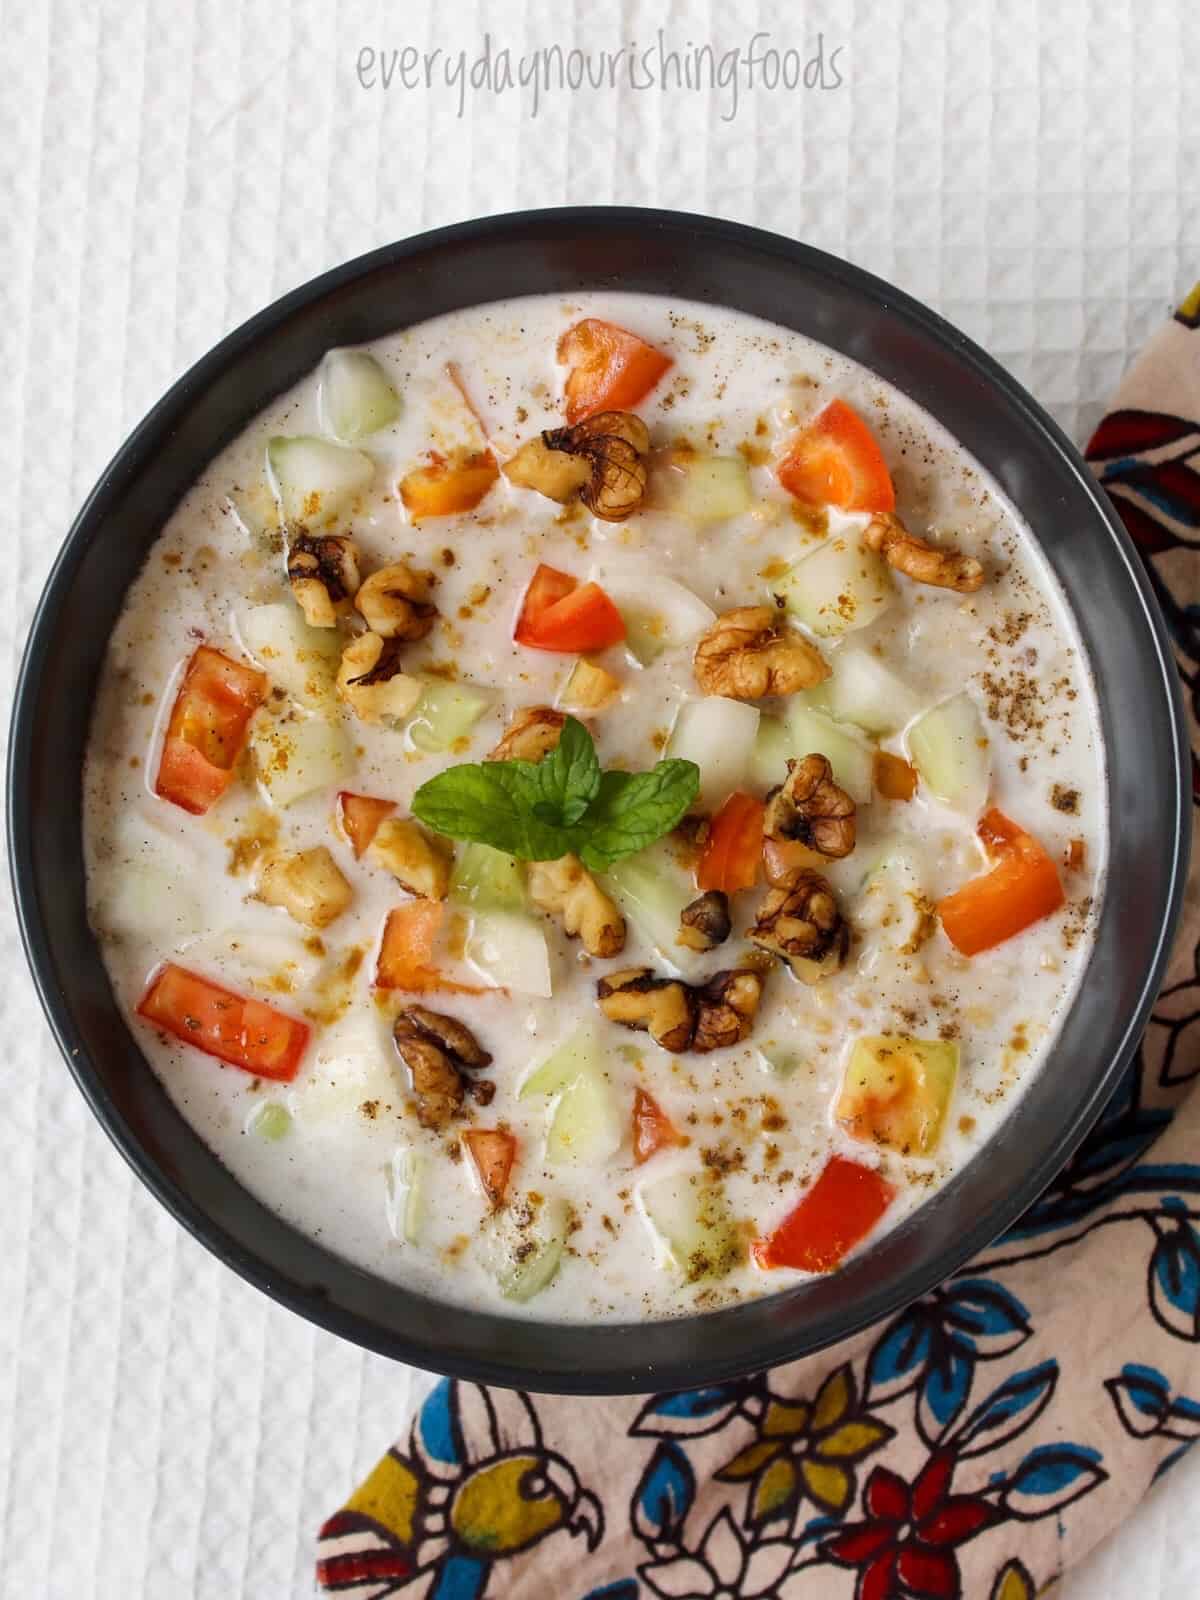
{"type": "Point", "coordinates": [976, 1445]}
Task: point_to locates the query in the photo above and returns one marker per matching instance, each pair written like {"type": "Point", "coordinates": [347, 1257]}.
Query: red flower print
{"type": "Point", "coordinates": [906, 1544]}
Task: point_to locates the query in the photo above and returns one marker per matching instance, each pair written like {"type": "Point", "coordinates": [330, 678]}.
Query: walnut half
{"type": "Point", "coordinates": [567, 890]}
{"type": "Point", "coordinates": [705, 923]}
{"type": "Point", "coordinates": [533, 732]}
{"type": "Point", "coordinates": [803, 925]}
{"type": "Point", "coordinates": [395, 603]}
{"type": "Point", "coordinates": [811, 809]}
{"type": "Point", "coordinates": [745, 655]}
{"type": "Point", "coordinates": [323, 574]}
{"type": "Point", "coordinates": [918, 559]}
{"type": "Point", "coordinates": [438, 1050]}
{"type": "Point", "coordinates": [601, 459]}
{"type": "Point", "coordinates": [371, 682]}
{"type": "Point", "coordinates": [681, 1016]}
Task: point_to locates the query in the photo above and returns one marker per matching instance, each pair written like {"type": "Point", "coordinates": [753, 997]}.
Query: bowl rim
{"type": "Point", "coordinates": [627, 1376]}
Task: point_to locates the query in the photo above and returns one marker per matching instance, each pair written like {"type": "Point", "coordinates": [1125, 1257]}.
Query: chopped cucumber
{"type": "Point", "coordinates": [652, 890]}
{"type": "Point", "coordinates": [488, 879]}
{"type": "Point", "coordinates": [772, 751]}
{"type": "Point", "coordinates": [314, 479]}
{"type": "Point", "coordinates": [718, 735]}
{"type": "Point", "coordinates": [510, 949]}
{"type": "Point", "coordinates": [578, 1053]}
{"type": "Point", "coordinates": [897, 1090]}
{"type": "Point", "coordinates": [781, 1062]}
{"type": "Point", "coordinates": [256, 511]}
{"type": "Point", "coordinates": [586, 1126]}
{"type": "Point", "coordinates": [294, 755]}
{"type": "Point", "coordinates": [839, 587]}
{"type": "Point", "coordinates": [692, 1220]}
{"type": "Point", "coordinates": [659, 613]}
{"type": "Point", "coordinates": [893, 903]}
{"type": "Point", "coordinates": [271, 1121]}
{"type": "Point", "coordinates": [150, 899]}
{"type": "Point", "coordinates": [521, 1279]}
{"type": "Point", "coordinates": [405, 1201]}
{"type": "Point", "coordinates": [949, 748]}
{"type": "Point", "coordinates": [702, 488]}
{"type": "Point", "coordinates": [863, 691]}
{"type": "Point", "coordinates": [811, 732]}
{"type": "Point", "coordinates": [445, 713]}
{"type": "Point", "coordinates": [356, 397]}
{"type": "Point", "coordinates": [300, 659]}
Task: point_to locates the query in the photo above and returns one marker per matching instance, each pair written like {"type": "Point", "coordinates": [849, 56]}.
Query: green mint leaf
{"type": "Point", "coordinates": [633, 809]}
{"type": "Point", "coordinates": [489, 803]}
{"type": "Point", "coordinates": [568, 779]}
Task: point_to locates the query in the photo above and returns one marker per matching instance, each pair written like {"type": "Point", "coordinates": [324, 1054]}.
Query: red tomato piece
{"type": "Point", "coordinates": [734, 847]}
{"type": "Point", "coordinates": [611, 368]}
{"type": "Point", "coordinates": [407, 951]}
{"type": "Point", "coordinates": [565, 616]}
{"type": "Point", "coordinates": [546, 588]}
{"type": "Point", "coordinates": [839, 1210]}
{"type": "Point", "coordinates": [652, 1127]}
{"type": "Point", "coordinates": [835, 461]}
{"type": "Point", "coordinates": [492, 1151]}
{"type": "Point", "coordinates": [360, 816]}
{"type": "Point", "coordinates": [207, 729]}
{"type": "Point", "coordinates": [1021, 889]}
{"type": "Point", "coordinates": [240, 1031]}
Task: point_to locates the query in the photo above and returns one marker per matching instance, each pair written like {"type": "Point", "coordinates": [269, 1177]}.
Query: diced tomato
{"type": "Point", "coordinates": [407, 951]}
{"type": "Point", "coordinates": [207, 729]}
{"type": "Point", "coordinates": [611, 368]}
{"type": "Point", "coordinates": [240, 1031]}
{"type": "Point", "coordinates": [360, 816]}
{"type": "Point", "coordinates": [560, 614]}
{"type": "Point", "coordinates": [839, 1210]}
{"type": "Point", "coordinates": [1021, 889]}
{"type": "Point", "coordinates": [492, 1151]}
{"type": "Point", "coordinates": [835, 461]}
{"type": "Point", "coordinates": [546, 588]}
{"type": "Point", "coordinates": [894, 778]}
{"type": "Point", "coordinates": [444, 487]}
{"type": "Point", "coordinates": [734, 847]}
{"type": "Point", "coordinates": [652, 1128]}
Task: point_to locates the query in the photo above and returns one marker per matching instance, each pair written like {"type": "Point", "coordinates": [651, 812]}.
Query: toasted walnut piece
{"type": "Point", "coordinates": [804, 926]}
{"type": "Point", "coordinates": [614, 444]}
{"type": "Point", "coordinates": [705, 923]}
{"type": "Point", "coordinates": [370, 681]}
{"type": "Point", "coordinates": [811, 809]}
{"type": "Point", "coordinates": [680, 1016]}
{"type": "Point", "coordinates": [308, 885]}
{"type": "Point", "coordinates": [665, 1008]}
{"type": "Point", "coordinates": [728, 1004]}
{"type": "Point", "coordinates": [555, 473]}
{"type": "Point", "coordinates": [437, 1050]}
{"type": "Point", "coordinates": [533, 732]}
{"type": "Point", "coordinates": [746, 655]}
{"type": "Point", "coordinates": [920, 560]}
{"type": "Point", "coordinates": [395, 603]}
{"type": "Point", "coordinates": [567, 890]}
{"type": "Point", "coordinates": [323, 573]}
{"type": "Point", "coordinates": [419, 861]}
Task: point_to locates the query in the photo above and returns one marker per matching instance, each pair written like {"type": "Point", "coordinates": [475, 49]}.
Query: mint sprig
{"type": "Point", "coordinates": [563, 804]}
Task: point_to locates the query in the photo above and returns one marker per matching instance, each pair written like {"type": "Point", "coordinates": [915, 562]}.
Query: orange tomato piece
{"type": "Point", "coordinates": [733, 849]}
{"type": "Point", "coordinates": [838, 1212]}
{"type": "Point", "coordinates": [444, 487]}
{"type": "Point", "coordinates": [611, 368]}
{"type": "Point", "coordinates": [207, 729]}
{"type": "Point", "coordinates": [492, 1152]}
{"type": "Point", "coordinates": [894, 778]}
{"type": "Point", "coordinates": [360, 816]}
{"type": "Point", "coordinates": [240, 1031]}
{"type": "Point", "coordinates": [407, 951]}
{"type": "Point", "coordinates": [652, 1129]}
{"type": "Point", "coordinates": [1021, 889]}
{"type": "Point", "coordinates": [562, 615]}
{"type": "Point", "coordinates": [835, 461]}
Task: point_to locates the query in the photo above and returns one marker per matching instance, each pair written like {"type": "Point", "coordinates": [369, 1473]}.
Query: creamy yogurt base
{"type": "Point", "coordinates": [166, 885]}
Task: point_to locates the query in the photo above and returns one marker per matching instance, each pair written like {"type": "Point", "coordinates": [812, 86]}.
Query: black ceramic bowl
{"type": "Point", "coordinates": [565, 251]}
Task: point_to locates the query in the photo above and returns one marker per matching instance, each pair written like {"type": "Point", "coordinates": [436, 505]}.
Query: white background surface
{"type": "Point", "coordinates": [1033, 171]}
